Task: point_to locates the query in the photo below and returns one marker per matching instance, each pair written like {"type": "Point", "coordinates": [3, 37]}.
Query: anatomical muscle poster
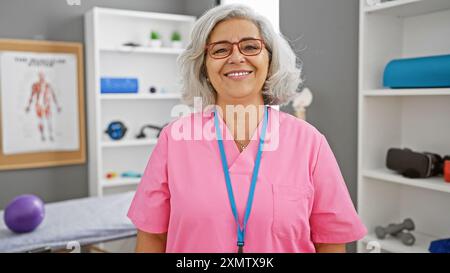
{"type": "Point", "coordinates": [39, 102]}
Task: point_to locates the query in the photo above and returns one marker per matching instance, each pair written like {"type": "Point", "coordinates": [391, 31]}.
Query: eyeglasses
{"type": "Point", "coordinates": [247, 47]}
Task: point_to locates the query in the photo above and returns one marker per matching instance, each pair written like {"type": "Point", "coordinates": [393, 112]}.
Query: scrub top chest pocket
{"type": "Point", "coordinates": [291, 210]}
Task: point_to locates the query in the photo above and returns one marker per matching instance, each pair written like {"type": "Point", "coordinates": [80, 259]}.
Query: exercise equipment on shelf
{"type": "Point", "coordinates": [447, 169]}
{"type": "Point", "coordinates": [440, 246]}
{"type": "Point", "coordinates": [131, 174]}
{"type": "Point", "coordinates": [399, 231]}
{"type": "Point", "coordinates": [119, 85]}
{"type": "Point", "coordinates": [149, 126]}
{"type": "Point", "coordinates": [413, 164]}
{"type": "Point", "coordinates": [422, 72]}
{"type": "Point", "coordinates": [116, 130]}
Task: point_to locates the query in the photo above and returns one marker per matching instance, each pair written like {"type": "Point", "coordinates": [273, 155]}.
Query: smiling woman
{"type": "Point", "coordinates": [237, 75]}
{"type": "Point", "coordinates": [266, 181]}
{"type": "Point", "coordinates": [226, 24]}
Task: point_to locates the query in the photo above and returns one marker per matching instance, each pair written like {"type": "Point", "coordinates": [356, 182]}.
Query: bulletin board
{"type": "Point", "coordinates": [42, 119]}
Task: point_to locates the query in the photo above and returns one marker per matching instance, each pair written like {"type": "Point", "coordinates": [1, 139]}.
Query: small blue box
{"type": "Point", "coordinates": [440, 246]}
{"type": "Point", "coordinates": [119, 85]}
{"type": "Point", "coordinates": [424, 72]}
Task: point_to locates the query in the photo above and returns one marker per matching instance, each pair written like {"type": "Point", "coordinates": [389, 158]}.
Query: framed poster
{"type": "Point", "coordinates": [41, 104]}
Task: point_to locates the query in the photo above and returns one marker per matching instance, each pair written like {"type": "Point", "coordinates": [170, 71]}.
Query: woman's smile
{"type": "Point", "coordinates": [238, 75]}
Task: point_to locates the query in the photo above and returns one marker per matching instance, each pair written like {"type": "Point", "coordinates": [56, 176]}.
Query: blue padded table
{"type": "Point", "coordinates": [88, 221]}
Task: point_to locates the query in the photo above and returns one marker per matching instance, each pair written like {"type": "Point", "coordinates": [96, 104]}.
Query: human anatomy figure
{"type": "Point", "coordinates": [43, 95]}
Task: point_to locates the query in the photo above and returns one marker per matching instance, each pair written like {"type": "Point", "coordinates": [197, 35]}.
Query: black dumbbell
{"type": "Point", "coordinates": [394, 229]}
{"type": "Point", "coordinates": [406, 238]}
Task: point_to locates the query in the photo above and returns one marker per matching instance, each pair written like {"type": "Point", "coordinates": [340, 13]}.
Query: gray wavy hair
{"type": "Point", "coordinates": [284, 76]}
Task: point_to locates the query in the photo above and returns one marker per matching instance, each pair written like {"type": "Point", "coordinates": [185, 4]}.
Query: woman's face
{"type": "Point", "coordinates": [233, 87]}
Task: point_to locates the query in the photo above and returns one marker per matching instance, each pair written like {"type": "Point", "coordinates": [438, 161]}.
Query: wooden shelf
{"type": "Point", "coordinates": [137, 96]}
{"type": "Point", "coordinates": [129, 143]}
{"type": "Point", "coordinates": [142, 50]}
{"type": "Point", "coordinates": [407, 92]}
{"type": "Point", "coordinates": [407, 8]}
{"type": "Point", "coordinates": [396, 246]}
{"type": "Point", "coordinates": [432, 183]}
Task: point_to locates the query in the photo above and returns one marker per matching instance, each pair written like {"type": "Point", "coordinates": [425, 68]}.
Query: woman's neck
{"type": "Point", "coordinates": [242, 117]}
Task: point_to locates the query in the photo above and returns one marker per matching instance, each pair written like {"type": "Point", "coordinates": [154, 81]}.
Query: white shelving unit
{"type": "Point", "coordinates": [141, 50]}
{"type": "Point", "coordinates": [140, 96]}
{"type": "Point", "coordinates": [106, 30]}
{"type": "Point", "coordinates": [415, 118]}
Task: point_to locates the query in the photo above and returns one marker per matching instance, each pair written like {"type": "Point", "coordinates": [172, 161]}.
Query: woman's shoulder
{"type": "Point", "coordinates": [186, 125]}
{"type": "Point", "coordinates": [188, 118]}
{"type": "Point", "coordinates": [294, 125]}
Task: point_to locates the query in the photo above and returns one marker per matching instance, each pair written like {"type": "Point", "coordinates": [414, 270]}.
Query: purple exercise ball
{"type": "Point", "coordinates": [24, 213]}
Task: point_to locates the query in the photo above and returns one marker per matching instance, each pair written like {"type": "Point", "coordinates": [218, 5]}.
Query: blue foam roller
{"type": "Point", "coordinates": [424, 72]}
{"type": "Point", "coordinates": [119, 85]}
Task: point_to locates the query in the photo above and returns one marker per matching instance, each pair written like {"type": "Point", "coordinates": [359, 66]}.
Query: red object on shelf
{"type": "Point", "coordinates": [111, 175]}
{"type": "Point", "coordinates": [447, 170]}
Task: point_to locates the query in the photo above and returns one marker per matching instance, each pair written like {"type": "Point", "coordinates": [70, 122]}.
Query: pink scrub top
{"type": "Point", "coordinates": [300, 198]}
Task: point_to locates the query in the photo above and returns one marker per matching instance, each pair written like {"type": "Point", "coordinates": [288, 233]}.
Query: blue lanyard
{"type": "Point", "coordinates": [241, 231]}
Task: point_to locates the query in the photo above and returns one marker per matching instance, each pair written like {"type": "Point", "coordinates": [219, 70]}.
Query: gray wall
{"type": "Point", "coordinates": [198, 7]}
{"type": "Point", "coordinates": [325, 33]}
{"type": "Point", "coordinates": [329, 38]}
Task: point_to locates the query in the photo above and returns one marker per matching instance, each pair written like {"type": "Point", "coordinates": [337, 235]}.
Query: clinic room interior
{"type": "Point", "coordinates": [225, 126]}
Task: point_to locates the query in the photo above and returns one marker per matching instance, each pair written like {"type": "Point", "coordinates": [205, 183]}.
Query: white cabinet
{"type": "Point", "coordinates": [106, 32]}
{"type": "Point", "coordinates": [415, 118]}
